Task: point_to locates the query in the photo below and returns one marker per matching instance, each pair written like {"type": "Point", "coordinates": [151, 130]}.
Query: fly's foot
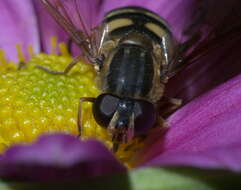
{"type": "Point", "coordinates": [50, 71]}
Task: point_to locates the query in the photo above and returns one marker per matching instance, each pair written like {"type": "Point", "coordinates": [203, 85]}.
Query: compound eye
{"type": "Point", "coordinates": [145, 116]}
{"type": "Point", "coordinates": [104, 108]}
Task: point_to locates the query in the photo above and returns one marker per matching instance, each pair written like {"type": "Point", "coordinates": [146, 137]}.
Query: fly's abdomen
{"type": "Point", "coordinates": [137, 49]}
{"type": "Point", "coordinates": [130, 72]}
{"type": "Point", "coordinates": [128, 20]}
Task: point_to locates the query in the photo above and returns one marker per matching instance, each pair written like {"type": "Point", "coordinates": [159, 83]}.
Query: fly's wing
{"type": "Point", "coordinates": [217, 26]}
{"type": "Point", "coordinates": [78, 18]}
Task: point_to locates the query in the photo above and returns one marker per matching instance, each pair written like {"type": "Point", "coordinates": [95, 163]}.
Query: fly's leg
{"type": "Point", "coordinates": [79, 119]}
{"type": "Point", "coordinates": [177, 63]}
{"type": "Point", "coordinates": [160, 121]}
{"type": "Point", "coordinates": [66, 70]}
{"type": "Point", "coordinates": [166, 107]}
{"type": "Point", "coordinates": [170, 105]}
{"type": "Point", "coordinates": [69, 45]}
{"type": "Point", "coordinates": [115, 147]}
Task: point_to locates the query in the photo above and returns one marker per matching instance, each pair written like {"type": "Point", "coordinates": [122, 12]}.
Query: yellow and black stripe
{"type": "Point", "coordinates": [136, 20]}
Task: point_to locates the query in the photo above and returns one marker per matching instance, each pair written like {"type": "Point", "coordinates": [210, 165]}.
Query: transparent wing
{"type": "Point", "coordinates": [218, 25]}
{"type": "Point", "coordinates": [79, 19]}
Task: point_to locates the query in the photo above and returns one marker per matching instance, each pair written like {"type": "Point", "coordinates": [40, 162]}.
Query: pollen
{"type": "Point", "coordinates": [34, 102]}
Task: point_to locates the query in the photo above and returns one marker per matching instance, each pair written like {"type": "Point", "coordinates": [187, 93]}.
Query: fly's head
{"type": "Point", "coordinates": [124, 118]}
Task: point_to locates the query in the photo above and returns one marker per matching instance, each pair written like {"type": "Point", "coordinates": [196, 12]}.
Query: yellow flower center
{"type": "Point", "coordinates": [34, 102]}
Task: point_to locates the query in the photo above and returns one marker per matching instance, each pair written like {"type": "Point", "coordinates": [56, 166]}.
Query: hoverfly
{"type": "Point", "coordinates": [134, 54]}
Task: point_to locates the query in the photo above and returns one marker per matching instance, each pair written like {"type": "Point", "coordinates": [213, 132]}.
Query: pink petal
{"type": "Point", "coordinates": [227, 157]}
{"type": "Point", "coordinates": [208, 122]}
{"type": "Point", "coordinates": [18, 25]}
{"type": "Point", "coordinates": [219, 63]}
{"type": "Point", "coordinates": [58, 157]}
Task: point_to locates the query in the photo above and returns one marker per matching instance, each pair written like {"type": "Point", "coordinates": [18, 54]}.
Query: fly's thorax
{"type": "Point", "coordinates": [137, 39]}
{"type": "Point", "coordinates": [131, 71]}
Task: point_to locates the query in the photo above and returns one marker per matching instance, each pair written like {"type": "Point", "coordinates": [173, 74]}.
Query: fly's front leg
{"type": "Point", "coordinates": [115, 147]}
{"type": "Point", "coordinates": [66, 70]}
{"type": "Point", "coordinates": [79, 119]}
{"type": "Point", "coordinates": [165, 108]}
{"type": "Point", "coordinates": [161, 122]}
{"type": "Point", "coordinates": [169, 105]}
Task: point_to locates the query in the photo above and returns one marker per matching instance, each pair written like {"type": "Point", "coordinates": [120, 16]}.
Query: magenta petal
{"type": "Point", "coordinates": [208, 122]}
{"type": "Point", "coordinates": [227, 157]}
{"type": "Point", "coordinates": [18, 25]}
{"type": "Point", "coordinates": [59, 156]}
{"type": "Point", "coordinates": [219, 63]}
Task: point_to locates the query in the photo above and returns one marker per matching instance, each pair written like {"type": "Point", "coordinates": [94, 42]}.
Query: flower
{"type": "Point", "coordinates": [205, 133]}
{"type": "Point", "coordinates": [58, 157]}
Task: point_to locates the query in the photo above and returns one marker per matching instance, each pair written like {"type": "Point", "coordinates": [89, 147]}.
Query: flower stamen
{"type": "Point", "coordinates": [3, 59]}
{"type": "Point", "coordinates": [30, 51]}
{"type": "Point", "coordinates": [21, 57]}
{"type": "Point", "coordinates": [54, 44]}
{"type": "Point", "coordinates": [64, 49]}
